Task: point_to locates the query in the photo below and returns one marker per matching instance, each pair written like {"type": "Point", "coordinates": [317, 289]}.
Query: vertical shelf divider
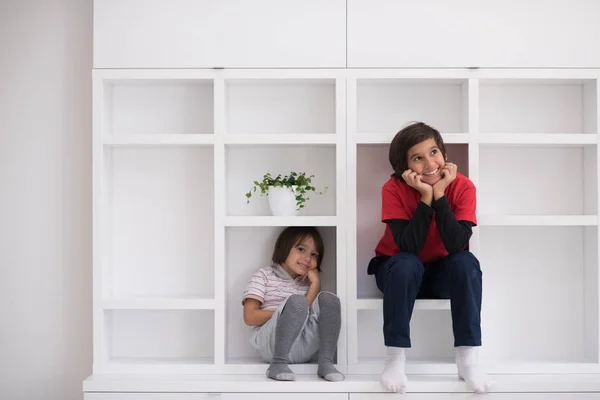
{"type": "Point", "coordinates": [596, 128]}
{"type": "Point", "coordinates": [219, 219]}
{"type": "Point", "coordinates": [472, 95]}
{"type": "Point", "coordinates": [341, 241]}
{"type": "Point", "coordinates": [591, 103]}
{"type": "Point", "coordinates": [351, 249]}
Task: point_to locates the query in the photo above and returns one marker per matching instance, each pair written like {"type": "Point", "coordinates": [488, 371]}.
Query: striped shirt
{"type": "Point", "coordinates": [272, 285]}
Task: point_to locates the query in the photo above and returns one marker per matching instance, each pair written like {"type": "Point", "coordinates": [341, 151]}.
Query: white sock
{"type": "Point", "coordinates": [469, 371]}
{"type": "Point", "coordinates": [393, 377]}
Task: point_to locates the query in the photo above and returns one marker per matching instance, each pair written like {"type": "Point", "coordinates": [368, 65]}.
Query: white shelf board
{"type": "Point", "coordinates": [159, 366]}
{"type": "Point", "coordinates": [159, 304]}
{"type": "Point", "coordinates": [420, 304]}
{"type": "Point", "coordinates": [295, 138]}
{"type": "Point", "coordinates": [313, 74]}
{"type": "Point", "coordinates": [255, 367]}
{"type": "Point", "coordinates": [386, 138]}
{"type": "Point", "coordinates": [281, 221]}
{"type": "Point", "coordinates": [352, 384]}
{"type": "Point", "coordinates": [160, 361]}
{"type": "Point", "coordinates": [538, 220]}
{"type": "Point", "coordinates": [421, 75]}
{"type": "Point", "coordinates": [564, 139]}
{"type": "Point", "coordinates": [444, 367]}
{"type": "Point", "coordinates": [141, 74]}
{"type": "Point", "coordinates": [159, 139]}
{"type": "Point", "coordinates": [200, 366]}
{"type": "Point", "coordinates": [537, 75]}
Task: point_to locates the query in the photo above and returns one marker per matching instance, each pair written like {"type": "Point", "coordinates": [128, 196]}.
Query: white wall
{"type": "Point", "coordinates": [45, 198]}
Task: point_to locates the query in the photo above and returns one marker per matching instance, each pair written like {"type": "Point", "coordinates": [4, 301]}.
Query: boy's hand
{"type": "Point", "coordinates": [414, 181]}
{"type": "Point", "coordinates": [448, 175]}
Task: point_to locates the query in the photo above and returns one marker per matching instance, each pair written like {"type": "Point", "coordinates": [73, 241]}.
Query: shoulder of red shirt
{"type": "Point", "coordinates": [462, 181]}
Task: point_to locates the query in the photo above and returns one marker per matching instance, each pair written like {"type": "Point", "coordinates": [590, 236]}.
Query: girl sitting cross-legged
{"type": "Point", "coordinates": [292, 318]}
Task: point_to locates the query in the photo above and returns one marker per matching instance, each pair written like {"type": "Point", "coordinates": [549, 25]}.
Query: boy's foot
{"type": "Point", "coordinates": [469, 371]}
{"type": "Point", "coordinates": [393, 377]}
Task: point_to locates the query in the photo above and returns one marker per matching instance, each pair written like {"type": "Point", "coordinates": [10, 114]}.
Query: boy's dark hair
{"type": "Point", "coordinates": [407, 138]}
{"type": "Point", "coordinates": [293, 235]}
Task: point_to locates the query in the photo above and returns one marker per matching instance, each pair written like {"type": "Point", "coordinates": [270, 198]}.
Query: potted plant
{"type": "Point", "coordinates": [287, 194]}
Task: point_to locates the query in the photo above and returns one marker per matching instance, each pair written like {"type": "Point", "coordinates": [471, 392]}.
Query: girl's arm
{"type": "Point", "coordinates": [410, 235]}
{"type": "Point", "coordinates": [455, 234]}
{"type": "Point", "coordinates": [253, 315]}
{"type": "Point", "coordinates": [315, 285]}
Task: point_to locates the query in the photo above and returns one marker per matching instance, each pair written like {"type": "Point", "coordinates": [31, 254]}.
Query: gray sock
{"type": "Point", "coordinates": [330, 321]}
{"type": "Point", "coordinates": [289, 325]}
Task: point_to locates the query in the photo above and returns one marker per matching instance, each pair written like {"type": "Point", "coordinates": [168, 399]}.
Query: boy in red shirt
{"type": "Point", "coordinates": [429, 211]}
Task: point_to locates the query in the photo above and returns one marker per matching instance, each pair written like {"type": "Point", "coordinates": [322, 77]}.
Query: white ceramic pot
{"type": "Point", "coordinates": [282, 201]}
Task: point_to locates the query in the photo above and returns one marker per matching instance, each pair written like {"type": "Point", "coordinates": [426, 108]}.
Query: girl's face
{"type": "Point", "coordinates": [302, 258]}
{"type": "Point", "coordinates": [427, 160]}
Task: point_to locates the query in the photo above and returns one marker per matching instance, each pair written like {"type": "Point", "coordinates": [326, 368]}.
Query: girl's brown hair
{"type": "Point", "coordinates": [293, 235]}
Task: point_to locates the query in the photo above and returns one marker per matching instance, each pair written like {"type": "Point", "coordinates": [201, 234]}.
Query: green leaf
{"type": "Point", "coordinates": [298, 179]}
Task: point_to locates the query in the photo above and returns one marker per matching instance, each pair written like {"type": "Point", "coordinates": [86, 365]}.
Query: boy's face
{"type": "Point", "coordinates": [427, 160]}
{"type": "Point", "coordinates": [302, 258]}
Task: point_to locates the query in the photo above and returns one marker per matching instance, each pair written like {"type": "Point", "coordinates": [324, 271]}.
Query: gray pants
{"type": "Point", "coordinates": [305, 346]}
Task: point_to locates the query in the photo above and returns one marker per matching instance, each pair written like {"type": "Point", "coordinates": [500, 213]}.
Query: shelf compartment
{"type": "Point", "coordinates": [158, 106]}
{"type": "Point", "coordinates": [245, 164]}
{"type": "Point", "coordinates": [159, 336]}
{"type": "Point", "coordinates": [158, 303]}
{"type": "Point", "coordinates": [538, 106]}
{"type": "Point", "coordinates": [281, 221]}
{"type": "Point", "coordinates": [386, 138]}
{"type": "Point", "coordinates": [252, 365]}
{"type": "Point", "coordinates": [420, 304]}
{"type": "Point", "coordinates": [538, 220]}
{"type": "Point", "coordinates": [558, 139]}
{"type": "Point", "coordinates": [247, 250]}
{"type": "Point", "coordinates": [528, 180]}
{"type": "Point", "coordinates": [431, 337]}
{"type": "Point", "coordinates": [159, 139]}
{"type": "Point", "coordinates": [387, 105]}
{"type": "Point", "coordinates": [373, 170]}
{"type": "Point", "coordinates": [551, 274]}
{"type": "Point", "coordinates": [280, 106]}
{"type": "Point", "coordinates": [291, 138]}
{"type": "Point", "coordinates": [159, 222]}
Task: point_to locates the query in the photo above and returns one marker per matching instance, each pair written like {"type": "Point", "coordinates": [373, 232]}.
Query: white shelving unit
{"type": "Point", "coordinates": [175, 242]}
{"type": "Point", "coordinates": [528, 139]}
{"type": "Point", "coordinates": [175, 151]}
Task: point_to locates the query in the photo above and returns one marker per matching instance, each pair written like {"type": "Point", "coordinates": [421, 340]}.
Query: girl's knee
{"type": "Point", "coordinates": [328, 299]}
{"type": "Point", "coordinates": [296, 303]}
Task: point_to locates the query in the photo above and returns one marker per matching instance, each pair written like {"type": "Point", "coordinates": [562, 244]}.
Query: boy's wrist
{"type": "Point", "coordinates": [427, 197]}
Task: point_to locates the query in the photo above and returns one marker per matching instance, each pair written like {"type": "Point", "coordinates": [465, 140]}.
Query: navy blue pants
{"type": "Point", "coordinates": [404, 278]}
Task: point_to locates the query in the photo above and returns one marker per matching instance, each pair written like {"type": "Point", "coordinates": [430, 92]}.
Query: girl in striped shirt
{"type": "Point", "coordinates": [292, 319]}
